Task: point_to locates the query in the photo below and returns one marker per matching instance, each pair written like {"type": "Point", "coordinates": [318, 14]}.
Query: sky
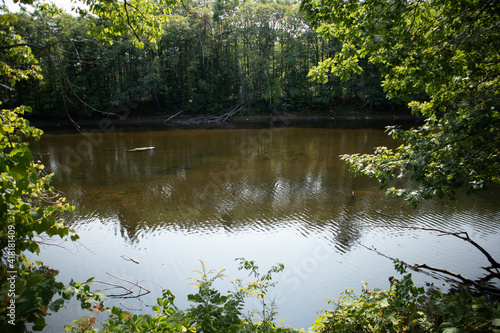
{"type": "Point", "coordinates": [65, 4]}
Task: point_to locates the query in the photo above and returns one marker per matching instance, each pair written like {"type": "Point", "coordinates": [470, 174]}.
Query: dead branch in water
{"type": "Point", "coordinates": [461, 234]}
{"type": "Point", "coordinates": [493, 270]}
{"type": "Point", "coordinates": [125, 257]}
{"type": "Point", "coordinates": [205, 120]}
{"type": "Point", "coordinates": [128, 292]}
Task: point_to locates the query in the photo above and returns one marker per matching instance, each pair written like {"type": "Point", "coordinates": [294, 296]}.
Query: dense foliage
{"type": "Point", "coordinates": [208, 57]}
{"type": "Point", "coordinates": [443, 56]}
{"type": "Point", "coordinates": [29, 209]}
{"type": "Point", "coordinates": [407, 308]}
{"type": "Point", "coordinates": [403, 307]}
{"type": "Point", "coordinates": [211, 312]}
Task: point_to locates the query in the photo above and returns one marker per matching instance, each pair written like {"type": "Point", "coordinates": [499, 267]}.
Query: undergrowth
{"type": "Point", "coordinates": [404, 307]}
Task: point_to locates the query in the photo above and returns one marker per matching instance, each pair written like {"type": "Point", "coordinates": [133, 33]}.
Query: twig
{"type": "Point", "coordinates": [492, 270]}
{"type": "Point", "coordinates": [412, 267]}
{"type": "Point", "coordinates": [159, 285]}
{"type": "Point", "coordinates": [216, 119]}
{"type": "Point", "coordinates": [127, 291]}
{"type": "Point", "coordinates": [129, 259]}
{"type": "Point", "coordinates": [116, 286]}
{"type": "Point", "coordinates": [130, 307]}
{"type": "Point", "coordinates": [128, 20]}
{"type": "Point", "coordinates": [133, 283]}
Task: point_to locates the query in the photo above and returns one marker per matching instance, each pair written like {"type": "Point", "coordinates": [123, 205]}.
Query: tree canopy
{"type": "Point", "coordinates": [206, 58]}
{"type": "Point", "coordinates": [441, 56]}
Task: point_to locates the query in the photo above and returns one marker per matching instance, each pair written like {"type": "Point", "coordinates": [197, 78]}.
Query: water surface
{"type": "Point", "coordinates": [267, 194]}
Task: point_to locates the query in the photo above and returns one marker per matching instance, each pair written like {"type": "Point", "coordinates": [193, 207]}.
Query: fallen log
{"type": "Point", "coordinates": [140, 149]}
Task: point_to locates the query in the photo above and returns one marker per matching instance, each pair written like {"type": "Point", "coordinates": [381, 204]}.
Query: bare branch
{"type": "Point", "coordinates": [174, 116]}
{"type": "Point", "coordinates": [479, 284]}
{"type": "Point", "coordinates": [128, 20]}
{"type": "Point", "coordinates": [216, 119]}
{"type": "Point", "coordinates": [125, 257]}
{"type": "Point", "coordinates": [6, 87]}
{"type": "Point", "coordinates": [461, 234]}
{"type": "Point", "coordinates": [128, 291]}
{"type": "Point", "coordinates": [133, 283]}
{"type": "Point", "coordinates": [468, 281]}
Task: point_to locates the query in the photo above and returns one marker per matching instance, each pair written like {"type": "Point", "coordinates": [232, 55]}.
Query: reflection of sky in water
{"type": "Point", "coordinates": [268, 195]}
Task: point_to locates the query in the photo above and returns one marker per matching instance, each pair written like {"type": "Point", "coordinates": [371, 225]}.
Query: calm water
{"type": "Point", "coordinates": [269, 194]}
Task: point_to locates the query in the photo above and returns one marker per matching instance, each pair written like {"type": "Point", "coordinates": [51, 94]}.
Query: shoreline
{"type": "Point", "coordinates": [185, 121]}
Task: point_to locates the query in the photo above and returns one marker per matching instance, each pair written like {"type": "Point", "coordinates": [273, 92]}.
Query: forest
{"type": "Point", "coordinates": [210, 57]}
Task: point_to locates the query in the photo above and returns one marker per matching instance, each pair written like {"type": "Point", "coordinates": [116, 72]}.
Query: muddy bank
{"type": "Point", "coordinates": [183, 121]}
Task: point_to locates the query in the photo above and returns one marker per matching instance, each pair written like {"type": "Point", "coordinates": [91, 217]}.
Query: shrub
{"type": "Point", "coordinates": [211, 312]}
{"type": "Point", "coordinates": [405, 307]}
{"type": "Point", "coordinates": [29, 207]}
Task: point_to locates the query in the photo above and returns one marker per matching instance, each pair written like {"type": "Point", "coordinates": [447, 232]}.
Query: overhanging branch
{"type": "Point", "coordinates": [480, 284]}
{"type": "Point", "coordinates": [461, 234]}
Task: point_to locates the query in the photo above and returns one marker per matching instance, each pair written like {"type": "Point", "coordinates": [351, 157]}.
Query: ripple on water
{"type": "Point", "coordinates": [290, 204]}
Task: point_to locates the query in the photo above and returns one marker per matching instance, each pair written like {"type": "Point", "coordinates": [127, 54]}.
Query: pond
{"type": "Point", "coordinates": [273, 194]}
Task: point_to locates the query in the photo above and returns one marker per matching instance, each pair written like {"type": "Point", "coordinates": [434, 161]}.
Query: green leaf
{"type": "Point", "coordinates": [195, 298]}
{"type": "Point", "coordinates": [384, 303]}
{"type": "Point", "coordinates": [454, 330]}
{"type": "Point", "coordinates": [39, 324]}
{"type": "Point", "coordinates": [56, 305]}
{"type": "Point", "coordinates": [15, 175]}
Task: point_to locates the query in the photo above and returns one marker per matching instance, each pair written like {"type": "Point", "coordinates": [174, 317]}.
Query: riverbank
{"type": "Point", "coordinates": [189, 121]}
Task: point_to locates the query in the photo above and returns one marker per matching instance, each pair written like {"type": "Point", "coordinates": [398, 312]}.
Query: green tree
{"type": "Point", "coordinates": [141, 18]}
{"type": "Point", "coordinates": [444, 58]}
{"type": "Point", "coordinates": [209, 56]}
{"type": "Point", "coordinates": [54, 39]}
{"type": "Point", "coordinates": [29, 206]}
{"type": "Point", "coordinates": [63, 45]}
